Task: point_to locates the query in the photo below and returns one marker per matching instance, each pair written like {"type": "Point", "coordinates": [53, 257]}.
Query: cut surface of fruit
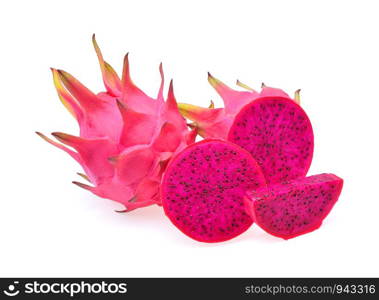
{"type": "Point", "coordinates": [278, 134]}
{"type": "Point", "coordinates": [295, 207]}
{"type": "Point", "coordinates": [203, 190]}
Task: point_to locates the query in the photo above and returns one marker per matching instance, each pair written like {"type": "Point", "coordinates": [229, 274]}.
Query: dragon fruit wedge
{"type": "Point", "coordinates": [126, 137]}
{"type": "Point", "coordinates": [296, 207]}
{"type": "Point", "coordinates": [204, 187]}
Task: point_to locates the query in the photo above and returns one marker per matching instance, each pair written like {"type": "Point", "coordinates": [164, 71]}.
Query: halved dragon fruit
{"type": "Point", "coordinates": [216, 122]}
{"type": "Point", "coordinates": [203, 190]}
{"type": "Point", "coordinates": [270, 125]}
{"type": "Point", "coordinates": [296, 207]}
{"type": "Point", "coordinates": [126, 137]}
{"type": "Point", "coordinates": [278, 134]}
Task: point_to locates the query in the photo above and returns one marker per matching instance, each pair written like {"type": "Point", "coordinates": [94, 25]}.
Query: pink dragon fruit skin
{"type": "Point", "coordinates": [126, 137]}
{"type": "Point", "coordinates": [216, 122]}
{"type": "Point", "coordinates": [295, 207]}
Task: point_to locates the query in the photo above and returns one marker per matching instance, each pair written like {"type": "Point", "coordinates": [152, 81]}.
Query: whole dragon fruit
{"type": "Point", "coordinates": [126, 137]}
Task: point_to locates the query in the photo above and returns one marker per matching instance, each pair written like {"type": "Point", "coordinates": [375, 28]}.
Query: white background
{"type": "Point", "coordinates": [329, 49]}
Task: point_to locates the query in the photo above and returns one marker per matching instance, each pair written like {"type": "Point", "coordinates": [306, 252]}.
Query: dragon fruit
{"type": "Point", "coordinates": [270, 125]}
{"type": "Point", "coordinates": [278, 134]}
{"type": "Point", "coordinates": [203, 190]}
{"type": "Point", "coordinates": [126, 137]}
{"type": "Point", "coordinates": [216, 122]}
{"type": "Point", "coordinates": [296, 207]}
